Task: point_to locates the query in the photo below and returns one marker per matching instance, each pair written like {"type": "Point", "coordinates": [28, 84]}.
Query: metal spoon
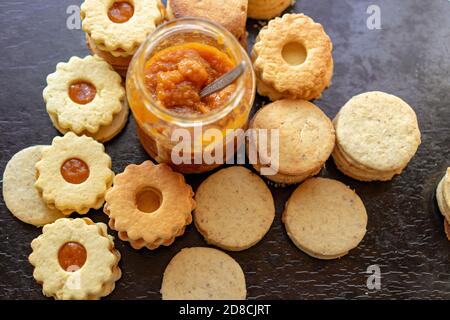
{"type": "Point", "coordinates": [224, 80]}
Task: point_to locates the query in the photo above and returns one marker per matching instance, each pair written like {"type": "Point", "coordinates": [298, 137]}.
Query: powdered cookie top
{"type": "Point", "coordinates": [235, 209]}
{"type": "Point", "coordinates": [84, 94]}
{"type": "Point", "coordinates": [19, 193]}
{"type": "Point", "coordinates": [203, 274]}
{"type": "Point", "coordinates": [378, 130]}
{"type": "Point", "coordinates": [120, 27]}
{"type": "Point", "coordinates": [75, 260]}
{"type": "Point", "coordinates": [325, 219]}
{"type": "Point", "coordinates": [74, 174]}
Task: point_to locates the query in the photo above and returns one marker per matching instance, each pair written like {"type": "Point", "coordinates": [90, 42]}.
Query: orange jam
{"type": "Point", "coordinates": [176, 75]}
{"type": "Point", "coordinates": [82, 92]}
{"type": "Point", "coordinates": [72, 256]}
{"type": "Point", "coordinates": [75, 171]}
{"type": "Point", "coordinates": [120, 12]}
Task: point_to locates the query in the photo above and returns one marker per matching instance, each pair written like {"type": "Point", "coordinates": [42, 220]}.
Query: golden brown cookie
{"type": "Point", "coordinates": [325, 218]}
{"type": "Point", "coordinates": [84, 95]}
{"type": "Point", "coordinates": [149, 205]}
{"type": "Point", "coordinates": [292, 58]}
{"type": "Point", "coordinates": [203, 274]}
{"type": "Point", "coordinates": [447, 229]}
{"type": "Point", "coordinates": [231, 14]}
{"type": "Point", "coordinates": [377, 134]}
{"type": "Point", "coordinates": [75, 259]}
{"type": "Point", "coordinates": [235, 209]}
{"type": "Point", "coordinates": [267, 9]}
{"type": "Point", "coordinates": [306, 139]}
{"type": "Point", "coordinates": [443, 195]}
{"type": "Point", "coordinates": [19, 193]}
{"type": "Point", "coordinates": [74, 174]}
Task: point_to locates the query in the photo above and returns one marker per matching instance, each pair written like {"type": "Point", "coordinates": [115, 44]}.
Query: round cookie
{"type": "Point", "coordinates": [443, 195]}
{"type": "Point", "coordinates": [19, 193]}
{"type": "Point", "coordinates": [235, 209]}
{"type": "Point", "coordinates": [447, 229]}
{"type": "Point", "coordinates": [306, 139]}
{"type": "Point", "coordinates": [325, 218]}
{"type": "Point", "coordinates": [378, 134]}
{"type": "Point", "coordinates": [267, 9]}
{"type": "Point", "coordinates": [203, 274]}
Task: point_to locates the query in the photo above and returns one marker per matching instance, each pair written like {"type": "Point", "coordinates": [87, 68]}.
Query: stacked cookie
{"type": "Point", "coordinates": [302, 135]}
{"type": "Point", "coordinates": [377, 134]}
{"type": "Point", "coordinates": [443, 200]}
{"type": "Point", "coordinates": [86, 96]}
{"type": "Point", "coordinates": [292, 58]}
{"type": "Point", "coordinates": [116, 29]}
{"type": "Point", "coordinates": [267, 9]}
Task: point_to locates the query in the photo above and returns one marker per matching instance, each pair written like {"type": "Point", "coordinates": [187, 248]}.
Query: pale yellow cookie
{"type": "Point", "coordinates": [447, 228]}
{"type": "Point", "coordinates": [120, 39]}
{"type": "Point", "coordinates": [19, 193]}
{"type": "Point", "coordinates": [235, 209]}
{"type": "Point", "coordinates": [231, 14]}
{"type": "Point", "coordinates": [267, 9]}
{"type": "Point", "coordinates": [306, 139]}
{"type": "Point", "coordinates": [74, 174]}
{"type": "Point", "coordinates": [104, 133]}
{"type": "Point", "coordinates": [377, 134]}
{"type": "Point", "coordinates": [75, 259]}
{"type": "Point", "coordinates": [203, 274]}
{"type": "Point", "coordinates": [84, 94]}
{"type": "Point", "coordinates": [443, 195]}
{"type": "Point", "coordinates": [325, 218]}
{"type": "Point", "coordinates": [292, 58]}
{"type": "Point", "coordinates": [149, 205]}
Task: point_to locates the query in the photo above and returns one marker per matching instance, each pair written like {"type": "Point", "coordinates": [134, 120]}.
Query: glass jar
{"type": "Point", "coordinates": [159, 128]}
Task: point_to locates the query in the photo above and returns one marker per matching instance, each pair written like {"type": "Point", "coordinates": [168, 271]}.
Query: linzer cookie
{"type": "Point", "coordinates": [377, 134]}
{"type": "Point", "coordinates": [75, 259]}
{"type": "Point", "coordinates": [19, 193]}
{"type": "Point", "coordinates": [203, 274]}
{"type": "Point", "coordinates": [306, 140]}
{"type": "Point", "coordinates": [116, 29]}
{"type": "Point", "coordinates": [86, 96]}
{"type": "Point", "coordinates": [443, 200]}
{"type": "Point", "coordinates": [292, 58]}
{"type": "Point", "coordinates": [149, 205]}
{"type": "Point", "coordinates": [267, 9]}
{"type": "Point", "coordinates": [235, 209]}
{"type": "Point", "coordinates": [325, 218]}
{"type": "Point", "coordinates": [74, 174]}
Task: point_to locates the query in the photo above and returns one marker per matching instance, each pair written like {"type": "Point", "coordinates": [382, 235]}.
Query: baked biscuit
{"type": "Point", "coordinates": [19, 193]}
{"type": "Point", "coordinates": [325, 218]}
{"type": "Point", "coordinates": [235, 209]}
{"type": "Point", "coordinates": [443, 195]}
{"type": "Point", "coordinates": [306, 139]}
{"type": "Point", "coordinates": [267, 9]}
{"type": "Point", "coordinates": [74, 174]}
{"type": "Point", "coordinates": [292, 58]}
{"type": "Point", "coordinates": [231, 14]}
{"type": "Point", "coordinates": [75, 259]}
{"type": "Point", "coordinates": [85, 95]}
{"type": "Point", "coordinates": [203, 274]}
{"type": "Point", "coordinates": [377, 134]}
{"type": "Point", "coordinates": [149, 205]}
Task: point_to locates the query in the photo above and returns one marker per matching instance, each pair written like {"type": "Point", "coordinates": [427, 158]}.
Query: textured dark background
{"type": "Point", "coordinates": [409, 57]}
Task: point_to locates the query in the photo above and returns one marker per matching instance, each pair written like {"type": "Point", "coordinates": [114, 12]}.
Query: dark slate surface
{"type": "Point", "coordinates": [409, 57]}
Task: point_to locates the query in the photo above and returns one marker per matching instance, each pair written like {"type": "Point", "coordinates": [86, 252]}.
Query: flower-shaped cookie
{"type": "Point", "coordinates": [149, 205]}
{"type": "Point", "coordinates": [84, 94]}
{"type": "Point", "coordinates": [74, 174]}
{"type": "Point", "coordinates": [75, 259]}
{"type": "Point", "coordinates": [293, 59]}
{"type": "Point", "coordinates": [119, 27]}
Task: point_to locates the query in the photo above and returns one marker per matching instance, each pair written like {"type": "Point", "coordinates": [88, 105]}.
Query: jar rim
{"type": "Point", "coordinates": [187, 24]}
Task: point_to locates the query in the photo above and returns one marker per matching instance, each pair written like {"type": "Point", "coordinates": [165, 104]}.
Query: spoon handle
{"type": "Point", "coordinates": [224, 80]}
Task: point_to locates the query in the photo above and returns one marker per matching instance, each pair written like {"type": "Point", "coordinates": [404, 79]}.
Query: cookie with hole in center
{"type": "Point", "coordinates": [325, 218]}
{"type": "Point", "coordinates": [292, 58]}
{"type": "Point", "coordinates": [74, 174]}
{"type": "Point", "coordinates": [203, 274]}
{"type": "Point", "coordinates": [75, 259]}
{"type": "Point", "coordinates": [19, 193]}
{"type": "Point", "coordinates": [149, 205]}
{"type": "Point", "coordinates": [235, 209]}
